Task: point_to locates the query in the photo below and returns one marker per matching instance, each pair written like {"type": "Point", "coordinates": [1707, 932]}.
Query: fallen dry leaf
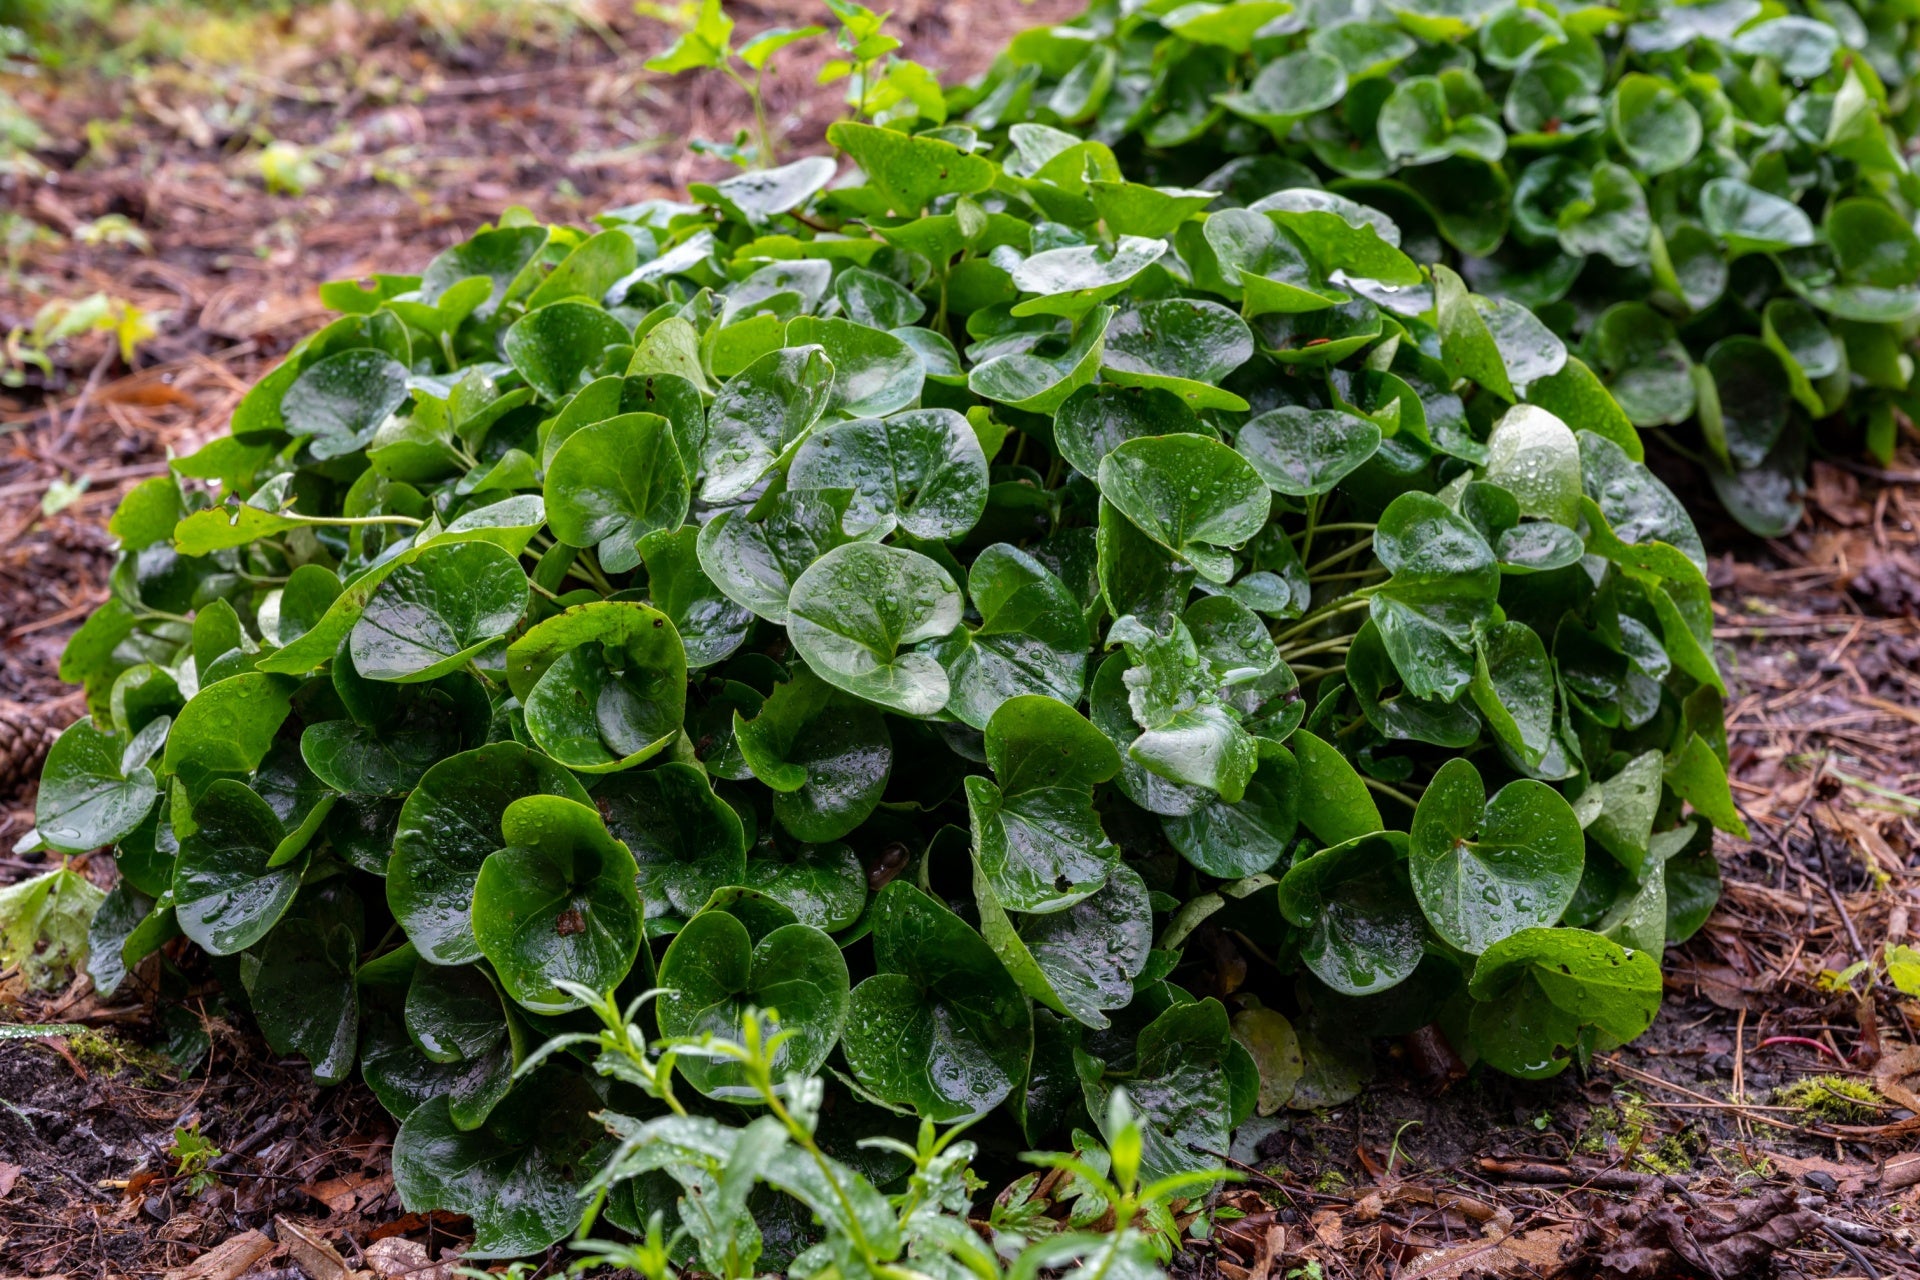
{"type": "Point", "coordinates": [1651, 1240]}
{"type": "Point", "coordinates": [1894, 1076]}
{"type": "Point", "coordinates": [398, 1258]}
{"type": "Point", "coordinates": [9, 1174]}
{"type": "Point", "coordinates": [228, 1260]}
{"type": "Point", "coordinates": [345, 1195]}
{"type": "Point", "coordinates": [1531, 1253]}
{"type": "Point", "coordinates": [314, 1255]}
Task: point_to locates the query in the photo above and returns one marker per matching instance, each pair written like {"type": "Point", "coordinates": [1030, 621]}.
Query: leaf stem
{"type": "Point", "coordinates": [1346, 604]}
{"type": "Point", "coordinates": [1346, 526]}
{"type": "Point", "coordinates": [1339, 644]}
{"type": "Point", "coordinates": [1387, 790]}
{"type": "Point", "coordinates": [586, 566]}
{"type": "Point", "coordinates": [348, 521]}
{"type": "Point", "coordinates": [1342, 554]}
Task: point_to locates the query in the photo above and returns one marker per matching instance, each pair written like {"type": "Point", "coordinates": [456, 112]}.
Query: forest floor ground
{"type": "Point", "coordinates": [1734, 1139]}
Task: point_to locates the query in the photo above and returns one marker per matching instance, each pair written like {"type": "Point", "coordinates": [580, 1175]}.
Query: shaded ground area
{"type": "Point", "coordinates": [1678, 1156]}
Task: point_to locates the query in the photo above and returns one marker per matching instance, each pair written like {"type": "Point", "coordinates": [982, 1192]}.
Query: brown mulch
{"type": "Point", "coordinates": [1671, 1157]}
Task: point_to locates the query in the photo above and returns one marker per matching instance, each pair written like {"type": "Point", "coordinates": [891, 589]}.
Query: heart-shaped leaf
{"type": "Point", "coordinates": [88, 798]}
{"type": "Point", "coordinates": [1038, 380]}
{"type": "Point", "coordinates": [1188, 736]}
{"type": "Point", "coordinates": [604, 684]}
{"type": "Point", "coordinates": [686, 841]}
{"type": "Point", "coordinates": [824, 885]}
{"type": "Point", "coordinates": [756, 561]}
{"type": "Point", "coordinates": [226, 895]}
{"type": "Point", "coordinates": [1541, 993]}
{"type": "Point", "coordinates": [1190, 494]}
{"type": "Point", "coordinates": [554, 346]}
{"type": "Point", "coordinates": [1233, 841]}
{"type": "Point", "coordinates": [1072, 281]}
{"type": "Point", "coordinates": [1751, 220]}
{"type": "Point", "coordinates": [1184, 345]}
{"type": "Point", "coordinates": [711, 626]}
{"type": "Point", "coordinates": [909, 171]}
{"type": "Point", "coordinates": [1080, 961]}
{"type": "Point", "coordinates": [1302, 452]}
{"type": "Point", "coordinates": [342, 400]}
{"type": "Point", "coordinates": [874, 373]}
{"type": "Point", "coordinates": [1179, 1085]}
{"type": "Point", "coordinates": [305, 998]}
{"type": "Point", "coordinates": [431, 615]}
{"type": "Point", "coordinates": [1094, 419]}
{"type": "Point", "coordinates": [1653, 123]}
{"type": "Point", "coordinates": [942, 1027]}
{"type": "Point", "coordinates": [854, 611]}
{"type": "Point", "coordinates": [557, 903]}
{"type": "Point", "coordinates": [924, 469]}
{"type": "Point", "coordinates": [1032, 638]}
{"type": "Point", "coordinates": [826, 757]}
{"type": "Point", "coordinates": [715, 970]}
{"type": "Point", "coordinates": [615, 482]}
{"type": "Point", "coordinates": [447, 827]}
{"type": "Point", "coordinates": [1534, 456]}
{"type": "Point", "coordinates": [1036, 840]}
{"type": "Point", "coordinates": [1364, 929]}
{"type": "Point", "coordinates": [520, 1174]}
{"type": "Point", "coordinates": [761, 413]}
{"type": "Point", "coordinates": [1444, 581]}
{"type": "Point", "coordinates": [1484, 869]}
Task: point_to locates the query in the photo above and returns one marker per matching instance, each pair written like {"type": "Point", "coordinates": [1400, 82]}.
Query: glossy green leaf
{"type": "Point", "coordinates": [1302, 452]}
{"type": "Point", "coordinates": [88, 798]}
{"type": "Point", "coordinates": [305, 998]}
{"type": "Point", "coordinates": [1032, 638]}
{"type": "Point", "coordinates": [1179, 1086]}
{"type": "Point", "coordinates": [519, 1175]}
{"type": "Point", "coordinates": [715, 970]}
{"type": "Point", "coordinates": [910, 172]}
{"type": "Point", "coordinates": [942, 1027]}
{"type": "Point", "coordinates": [1233, 841]}
{"type": "Point", "coordinates": [342, 400]}
{"type": "Point", "coordinates": [1653, 123]}
{"type": "Point", "coordinates": [552, 347]}
{"type": "Point", "coordinates": [615, 482]}
{"type": "Point", "coordinates": [1364, 928]}
{"type": "Point", "coordinates": [431, 615]}
{"type": "Point", "coordinates": [854, 611]}
{"type": "Point", "coordinates": [447, 827]}
{"type": "Point", "coordinates": [874, 373]}
{"type": "Point", "coordinates": [761, 413]}
{"type": "Point", "coordinates": [1183, 345]}
{"type": "Point", "coordinates": [604, 684]}
{"type": "Point", "coordinates": [226, 896]}
{"type": "Point", "coordinates": [1442, 588]}
{"type": "Point", "coordinates": [826, 757]}
{"type": "Point", "coordinates": [1190, 494]}
{"type": "Point", "coordinates": [1037, 842]}
{"type": "Point", "coordinates": [556, 903]}
{"type": "Point", "coordinates": [686, 841]}
{"type": "Point", "coordinates": [1080, 961]}
{"type": "Point", "coordinates": [1039, 380]}
{"type": "Point", "coordinates": [924, 469]}
{"type": "Point", "coordinates": [1540, 993]}
{"type": "Point", "coordinates": [1484, 869]}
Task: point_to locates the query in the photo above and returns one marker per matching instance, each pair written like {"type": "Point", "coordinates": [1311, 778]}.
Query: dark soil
{"type": "Point", "coordinates": [1671, 1157]}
